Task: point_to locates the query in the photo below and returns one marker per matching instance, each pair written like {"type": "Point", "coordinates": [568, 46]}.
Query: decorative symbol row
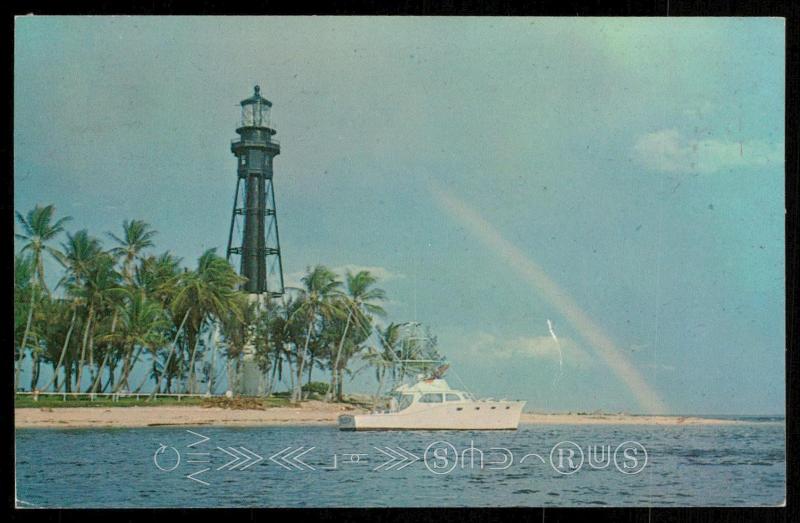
{"type": "Point", "coordinates": [242, 458]}
{"type": "Point", "coordinates": [291, 459]}
{"type": "Point", "coordinates": [399, 458]}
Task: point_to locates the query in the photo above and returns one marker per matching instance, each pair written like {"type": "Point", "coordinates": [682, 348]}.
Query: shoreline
{"type": "Point", "coordinates": [312, 413]}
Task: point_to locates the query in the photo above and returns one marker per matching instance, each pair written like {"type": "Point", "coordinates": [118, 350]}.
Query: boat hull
{"type": "Point", "coordinates": [480, 415]}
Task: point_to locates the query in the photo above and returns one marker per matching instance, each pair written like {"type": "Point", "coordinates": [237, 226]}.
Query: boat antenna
{"type": "Point", "coordinates": [462, 383]}
{"type": "Point", "coordinates": [415, 293]}
{"type": "Point", "coordinates": [358, 321]}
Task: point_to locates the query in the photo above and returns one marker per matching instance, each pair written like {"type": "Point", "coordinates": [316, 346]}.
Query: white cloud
{"type": "Point", "coordinates": [668, 151]}
{"type": "Point", "coordinates": [542, 347]}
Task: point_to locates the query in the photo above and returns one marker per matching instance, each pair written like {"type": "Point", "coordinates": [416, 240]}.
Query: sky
{"type": "Point", "coordinates": [588, 213]}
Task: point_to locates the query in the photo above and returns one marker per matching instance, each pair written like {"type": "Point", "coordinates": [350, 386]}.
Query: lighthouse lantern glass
{"type": "Point", "coordinates": [255, 114]}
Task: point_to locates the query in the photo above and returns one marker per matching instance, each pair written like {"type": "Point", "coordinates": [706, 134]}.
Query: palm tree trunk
{"type": "Point", "coordinates": [63, 350]}
{"type": "Point", "coordinates": [99, 376]}
{"type": "Point", "coordinates": [92, 368]}
{"type": "Point", "coordinates": [130, 362]}
{"type": "Point", "coordinates": [334, 371]}
{"type": "Point", "coordinates": [298, 385]}
{"type": "Point", "coordinates": [37, 363]}
{"type": "Point", "coordinates": [229, 370]}
{"type": "Point", "coordinates": [40, 273]}
{"type": "Point", "coordinates": [106, 356]}
{"type": "Point", "coordinates": [83, 346]}
{"type": "Point", "coordinates": [68, 375]}
{"type": "Point", "coordinates": [18, 369]}
{"type": "Point", "coordinates": [310, 370]}
{"type": "Point", "coordinates": [212, 380]}
{"type": "Point", "coordinates": [90, 363]}
{"type": "Point", "coordinates": [125, 364]}
{"type": "Point", "coordinates": [268, 382]}
{"type": "Point", "coordinates": [275, 364]}
{"type": "Point", "coordinates": [112, 369]}
{"type": "Point", "coordinates": [126, 269]}
{"type": "Point", "coordinates": [157, 375]}
{"type": "Point", "coordinates": [192, 373]}
{"type": "Point", "coordinates": [172, 348]}
{"type": "Point", "coordinates": [291, 377]}
{"type": "Point", "coordinates": [145, 380]}
{"type": "Point", "coordinates": [239, 369]}
{"type": "Point", "coordinates": [147, 377]}
{"type": "Point", "coordinates": [55, 375]}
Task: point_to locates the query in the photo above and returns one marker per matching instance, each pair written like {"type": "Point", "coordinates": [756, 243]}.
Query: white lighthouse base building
{"type": "Point", "coordinates": [252, 382]}
{"type": "Point", "coordinates": [251, 379]}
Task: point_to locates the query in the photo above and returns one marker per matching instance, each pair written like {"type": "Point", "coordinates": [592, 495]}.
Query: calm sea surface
{"type": "Point", "coordinates": [736, 465]}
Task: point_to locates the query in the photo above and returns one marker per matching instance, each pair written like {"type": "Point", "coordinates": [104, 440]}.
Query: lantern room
{"type": "Point", "coordinates": [255, 110]}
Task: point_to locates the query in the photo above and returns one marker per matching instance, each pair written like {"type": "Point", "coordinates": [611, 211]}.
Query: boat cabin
{"type": "Point", "coordinates": [431, 391]}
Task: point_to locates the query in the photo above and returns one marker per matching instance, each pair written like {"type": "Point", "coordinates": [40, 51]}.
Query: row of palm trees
{"type": "Point", "coordinates": [123, 308]}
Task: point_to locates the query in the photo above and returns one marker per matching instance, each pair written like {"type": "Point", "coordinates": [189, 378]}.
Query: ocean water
{"type": "Point", "coordinates": [733, 465]}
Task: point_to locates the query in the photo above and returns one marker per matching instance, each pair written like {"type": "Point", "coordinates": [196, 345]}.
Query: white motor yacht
{"type": "Point", "coordinates": [430, 404]}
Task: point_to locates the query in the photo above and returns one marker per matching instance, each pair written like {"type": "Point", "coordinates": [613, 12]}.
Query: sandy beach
{"type": "Point", "coordinates": [309, 413]}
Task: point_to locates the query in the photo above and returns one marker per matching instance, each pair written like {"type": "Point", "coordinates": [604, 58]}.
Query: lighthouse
{"type": "Point", "coordinates": [253, 236]}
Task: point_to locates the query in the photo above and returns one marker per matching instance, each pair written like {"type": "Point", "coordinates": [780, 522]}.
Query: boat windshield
{"type": "Point", "coordinates": [401, 402]}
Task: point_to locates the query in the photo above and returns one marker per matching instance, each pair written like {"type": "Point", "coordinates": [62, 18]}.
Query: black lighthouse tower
{"type": "Point", "coordinates": [253, 234]}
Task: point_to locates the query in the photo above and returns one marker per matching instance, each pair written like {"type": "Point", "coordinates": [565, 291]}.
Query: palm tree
{"type": "Point", "coordinates": [132, 303]}
{"type": "Point", "coordinates": [385, 358]}
{"type": "Point", "coordinates": [283, 334]}
{"type": "Point", "coordinates": [318, 299]}
{"type": "Point", "coordinates": [37, 342]}
{"type": "Point", "coordinates": [142, 322]}
{"type": "Point", "coordinates": [170, 361]}
{"type": "Point", "coordinates": [137, 235]}
{"type": "Point", "coordinates": [320, 347]}
{"type": "Point", "coordinates": [38, 229]}
{"type": "Point", "coordinates": [23, 273]}
{"type": "Point", "coordinates": [103, 291]}
{"type": "Point", "coordinates": [154, 343]}
{"type": "Point", "coordinates": [107, 353]}
{"type": "Point", "coordinates": [207, 293]}
{"type": "Point", "coordinates": [56, 337]}
{"type": "Point", "coordinates": [79, 254]}
{"type": "Point", "coordinates": [157, 276]}
{"type": "Point", "coordinates": [358, 302]}
{"type": "Point", "coordinates": [165, 369]}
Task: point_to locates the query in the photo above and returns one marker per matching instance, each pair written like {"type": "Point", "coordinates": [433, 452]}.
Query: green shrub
{"type": "Point", "coordinates": [316, 387]}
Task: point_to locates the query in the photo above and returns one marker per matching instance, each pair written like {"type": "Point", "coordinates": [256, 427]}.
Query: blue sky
{"type": "Point", "coordinates": [636, 163]}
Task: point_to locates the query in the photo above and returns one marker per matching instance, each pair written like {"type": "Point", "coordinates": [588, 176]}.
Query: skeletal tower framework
{"type": "Point", "coordinates": [254, 219]}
